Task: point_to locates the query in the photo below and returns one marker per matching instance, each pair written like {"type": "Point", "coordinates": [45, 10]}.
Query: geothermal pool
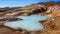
{"type": "Point", "coordinates": [29, 23]}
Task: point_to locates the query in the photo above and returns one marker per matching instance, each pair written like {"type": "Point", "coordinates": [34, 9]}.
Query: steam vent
{"type": "Point", "coordinates": [40, 18]}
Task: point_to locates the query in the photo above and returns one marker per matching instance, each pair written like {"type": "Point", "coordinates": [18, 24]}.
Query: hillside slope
{"type": "Point", "coordinates": [50, 9]}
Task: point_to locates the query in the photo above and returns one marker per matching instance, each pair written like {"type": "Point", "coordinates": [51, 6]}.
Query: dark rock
{"type": "Point", "coordinates": [3, 19]}
{"type": "Point", "coordinates": [38, 11]}
{"type": "Point", "coordinates": [10, 19]}
{"type": "Point", "coordinates": [14, 19]}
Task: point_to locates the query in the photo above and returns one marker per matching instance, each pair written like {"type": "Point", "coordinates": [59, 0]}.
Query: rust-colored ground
{"type": "Point", "coordinates": [52, 25]}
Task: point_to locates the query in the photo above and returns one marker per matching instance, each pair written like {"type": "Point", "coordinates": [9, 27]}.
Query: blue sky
{"type": "Point", "coordinates": [14, 3]}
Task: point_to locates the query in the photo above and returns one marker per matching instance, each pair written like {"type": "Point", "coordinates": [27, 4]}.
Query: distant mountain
{"type": "Point", "coordinates": [8, 8]}
{"type": "Point", "coordinates": [13, 7]}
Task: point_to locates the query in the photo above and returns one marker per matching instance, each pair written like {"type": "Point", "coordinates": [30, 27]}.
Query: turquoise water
{"type": "Point", "coordinates": [29, 23]}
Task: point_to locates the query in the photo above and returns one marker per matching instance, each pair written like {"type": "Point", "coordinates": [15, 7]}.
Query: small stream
{"type": "Point", "coordinates": [29, 23]}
